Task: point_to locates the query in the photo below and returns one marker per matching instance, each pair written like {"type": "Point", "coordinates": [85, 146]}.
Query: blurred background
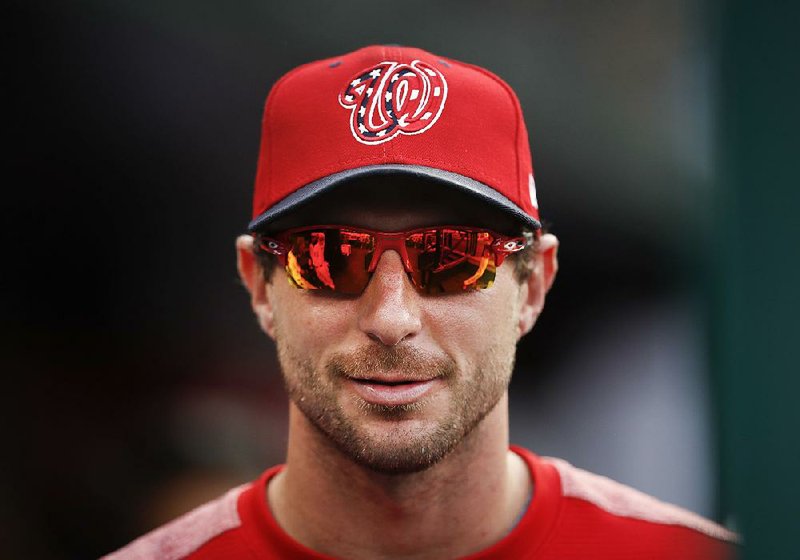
{"type": "Point", "coordinates": [136, 382]}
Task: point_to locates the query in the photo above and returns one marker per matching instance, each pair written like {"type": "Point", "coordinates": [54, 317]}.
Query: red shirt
{"type": "Point", "coordinates": [573, 515]}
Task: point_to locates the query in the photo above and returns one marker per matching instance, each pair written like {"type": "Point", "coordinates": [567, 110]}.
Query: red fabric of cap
{"type": "Point", "coordinates": [384, 105]}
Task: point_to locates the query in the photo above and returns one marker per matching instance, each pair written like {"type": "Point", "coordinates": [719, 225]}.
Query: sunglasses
{"type": "Point", "coordinates": [438, 260]}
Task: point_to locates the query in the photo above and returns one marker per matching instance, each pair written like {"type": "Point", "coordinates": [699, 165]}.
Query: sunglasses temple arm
{"type": "Point", "coordinates": [273, 247]}
{"type": "Point", "coordinates": [507, 246]}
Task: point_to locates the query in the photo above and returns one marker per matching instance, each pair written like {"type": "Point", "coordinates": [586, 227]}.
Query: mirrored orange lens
{"type": "Point", "coordinates": [441, 260]}
{"type": "Point", "coordinates": [331, 259]}
{"type": "Point", "coordinates": [449, 260]}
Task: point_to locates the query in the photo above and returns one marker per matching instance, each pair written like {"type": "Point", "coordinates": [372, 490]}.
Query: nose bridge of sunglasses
{"type": "Point", "coordinates": [389, 241]}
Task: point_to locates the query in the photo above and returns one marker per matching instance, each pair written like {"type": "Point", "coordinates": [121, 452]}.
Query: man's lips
{"type": "Point", "coordinates": [389, 379]}
{"type": "Point", "coordinates": [392, 390]}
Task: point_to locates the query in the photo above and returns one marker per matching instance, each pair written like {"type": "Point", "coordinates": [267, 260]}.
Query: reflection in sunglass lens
{"type": "Point", "coordinates": [449, 260]}
{"type": "Point", "coordinates": [442, 260]}
{"type": "Point", "coordinates": [332, 259]}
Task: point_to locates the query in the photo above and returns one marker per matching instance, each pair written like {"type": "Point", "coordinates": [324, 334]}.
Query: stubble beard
{"type": "Point", "coordinates": [404, 447]}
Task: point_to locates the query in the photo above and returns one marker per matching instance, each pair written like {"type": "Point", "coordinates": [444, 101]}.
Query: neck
{"type": "Point", "coordinates": [464, 503]}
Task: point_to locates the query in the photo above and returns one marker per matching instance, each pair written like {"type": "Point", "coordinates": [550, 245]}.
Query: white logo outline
{"type": "Point", "coordinates": [391, 71]}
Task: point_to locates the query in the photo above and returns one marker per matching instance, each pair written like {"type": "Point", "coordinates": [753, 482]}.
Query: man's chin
{"type": "Point", "coordinates": [398, 443]}
{"type": "Point", "coordinates": [399, 460]}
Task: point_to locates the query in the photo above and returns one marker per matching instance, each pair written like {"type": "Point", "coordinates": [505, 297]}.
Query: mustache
{"type": "Point", "coordinates": [406, 361]}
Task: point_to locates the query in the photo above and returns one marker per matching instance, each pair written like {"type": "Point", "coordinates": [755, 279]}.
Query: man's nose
{"type": "Point", "coordinates": [389, 307]}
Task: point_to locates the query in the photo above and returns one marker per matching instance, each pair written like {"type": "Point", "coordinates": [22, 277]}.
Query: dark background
{"type": "Point", "coordinates": [136, 381]}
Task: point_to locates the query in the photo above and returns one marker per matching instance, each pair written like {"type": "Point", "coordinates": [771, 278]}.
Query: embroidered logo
{"type": "Point", "coordinates": [393, 98]}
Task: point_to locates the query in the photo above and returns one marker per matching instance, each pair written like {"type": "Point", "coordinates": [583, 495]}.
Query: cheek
{"type": "Point", "coordinates": [469, 326]}
{"type": "Point", "coordinates": [309, 324]}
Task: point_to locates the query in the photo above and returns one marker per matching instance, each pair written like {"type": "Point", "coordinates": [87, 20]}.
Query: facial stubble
{"type": "Point", "coordinates": [407, 441]}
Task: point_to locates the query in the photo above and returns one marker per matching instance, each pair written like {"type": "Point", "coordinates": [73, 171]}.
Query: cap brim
{"type": "Point", "coordinates": [310, 191]}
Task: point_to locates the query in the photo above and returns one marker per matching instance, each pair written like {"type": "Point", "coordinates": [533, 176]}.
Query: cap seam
{"type": "Point", "coordinates": [386, 51]}
{"type": "Point", "coordinates": [268, 113]}
{"type": "Point", "coordinates": [517, 113]}
{"type": "Point", "coordinates": [268, 109]}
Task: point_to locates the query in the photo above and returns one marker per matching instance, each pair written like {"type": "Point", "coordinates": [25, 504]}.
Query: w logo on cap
{"type": "Point", "coordinates": [393, 98]}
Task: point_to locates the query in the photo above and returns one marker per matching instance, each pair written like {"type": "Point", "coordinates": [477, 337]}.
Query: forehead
{"type": "Point", "coordinates": [394, 202]}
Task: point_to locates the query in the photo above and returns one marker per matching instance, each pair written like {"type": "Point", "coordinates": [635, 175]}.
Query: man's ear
{"type": "Point", "coordinates": [538, 283]}
{"type": "Point", "coordinates": [252, 276]}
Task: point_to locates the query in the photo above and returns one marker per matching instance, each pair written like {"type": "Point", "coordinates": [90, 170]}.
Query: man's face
{"type": "Point", "coordinates": [393, 378]}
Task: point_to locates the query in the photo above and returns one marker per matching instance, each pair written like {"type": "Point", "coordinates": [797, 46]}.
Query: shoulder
{"type": "Point", "coordinates": [574, 514]}
{"type": "Point", "coordinates": [598, 506]}
{"type": "Point", "coordinates": [187, 535]}
{"type": "Point", "coordinates": [623, 501]}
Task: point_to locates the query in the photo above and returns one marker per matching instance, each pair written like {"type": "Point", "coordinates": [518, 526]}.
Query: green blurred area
{"type": "Point", "coordinates": [757, 276]}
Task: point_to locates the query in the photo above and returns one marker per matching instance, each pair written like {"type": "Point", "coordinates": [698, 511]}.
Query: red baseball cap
{"type": "Point", "coordinates": [392, 110]}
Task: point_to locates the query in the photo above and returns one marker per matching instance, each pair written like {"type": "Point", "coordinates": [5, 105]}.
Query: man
{"type": "Point", "coordinates": [396, 258]}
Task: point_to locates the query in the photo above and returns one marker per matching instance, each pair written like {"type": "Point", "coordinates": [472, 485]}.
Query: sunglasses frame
{"type": "Point", "coordinates": [278, 244]}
